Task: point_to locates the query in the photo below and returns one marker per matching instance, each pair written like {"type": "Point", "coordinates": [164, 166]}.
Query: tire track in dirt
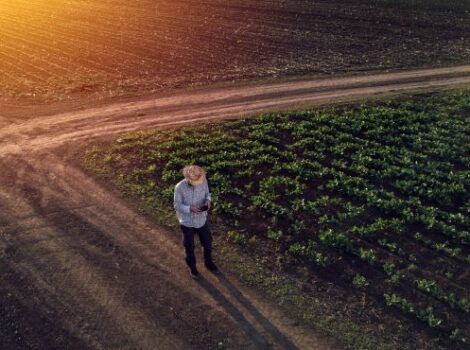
{"type": "Point", "coordinates": [65, 276]}
{"type": "Point", "coordinates": [102, 274]}
{"type": "Point", "coordinates": [213, 104]}
{"type": "Point", "coordinates": [125, 300]}
{"type": "Point", "coordinates": [230, 111]}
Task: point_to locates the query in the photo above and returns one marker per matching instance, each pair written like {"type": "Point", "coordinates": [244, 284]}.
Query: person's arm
{"type": "Point", "coordinates": [178, 202]}
{"type": "Point", "coordinates": [208, 196]}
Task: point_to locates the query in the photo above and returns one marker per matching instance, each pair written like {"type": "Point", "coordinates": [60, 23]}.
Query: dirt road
{"type": "Point", "coordinates": [82, 269]}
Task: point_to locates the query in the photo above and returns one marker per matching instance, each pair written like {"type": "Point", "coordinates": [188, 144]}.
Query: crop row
{"type": "Point", "coordinates": [362, 194]}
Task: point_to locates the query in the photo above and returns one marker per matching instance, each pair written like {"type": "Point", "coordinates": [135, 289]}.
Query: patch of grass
{"type": "Point", "coordinates": [287, 292]}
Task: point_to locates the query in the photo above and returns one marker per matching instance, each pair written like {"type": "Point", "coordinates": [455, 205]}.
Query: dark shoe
{"type": "Point", "coordinates": [194, 273]}
{"type": "Point", "coordinates": [212, 267]}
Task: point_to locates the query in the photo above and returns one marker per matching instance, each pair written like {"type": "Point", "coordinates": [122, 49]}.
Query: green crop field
{"type": "Point", "coordinates": [374, 198]}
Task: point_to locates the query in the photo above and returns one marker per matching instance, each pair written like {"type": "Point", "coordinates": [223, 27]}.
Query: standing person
{"type": "Point", "coordinates": [192, 200]}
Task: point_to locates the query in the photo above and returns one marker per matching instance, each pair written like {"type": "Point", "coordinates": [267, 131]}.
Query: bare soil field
{"type": "Point", "coordinates": [64, 49]}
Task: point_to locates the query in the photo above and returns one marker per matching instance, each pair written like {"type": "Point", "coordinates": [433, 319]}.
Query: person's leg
{"type": "Point", "coordinates": [188, 242]}
{"type": "Point", "coordinates": [205, 236]}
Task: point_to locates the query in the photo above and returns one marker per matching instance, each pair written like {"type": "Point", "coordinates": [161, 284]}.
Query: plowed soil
{"type": "Point", "coordinates": [56, 50]}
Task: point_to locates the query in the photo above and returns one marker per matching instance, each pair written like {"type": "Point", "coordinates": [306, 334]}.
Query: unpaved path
{"type": "Point", "coordinates": [79, 268]}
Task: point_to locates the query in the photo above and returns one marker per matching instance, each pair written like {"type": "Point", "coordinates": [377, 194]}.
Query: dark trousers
{"type": "Point", "coordinates": [205, 237]}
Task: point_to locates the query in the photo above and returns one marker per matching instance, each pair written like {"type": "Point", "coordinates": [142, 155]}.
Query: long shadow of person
{"type": "Point", "coordinates": [280, 338]}
{"type": "Point", "coordinates": [232, 310]}
{"type": "Point", "coordinates": [257, 338]}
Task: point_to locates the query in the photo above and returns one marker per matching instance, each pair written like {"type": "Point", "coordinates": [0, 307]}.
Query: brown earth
{"type": "Point", "coordinates": [65, 49]}
{"type": "Point", "coordinates": [81, 268]}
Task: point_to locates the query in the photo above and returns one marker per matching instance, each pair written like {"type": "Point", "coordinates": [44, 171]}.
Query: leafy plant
{"type": "Point", "coordinates": [360, 281]}
{"type": "Point", "coordinates": [428, 316]}
{"type": "Point", "coordinates": [389, 268]}
{"type": "Point", "coordinates": [275, 235]}
{"type": "Point", "coordinates": [237, 237]}
{"type": "Point", "coordinates": [367, 255]}
{"type": "Point", "coordinates": [399, 302]}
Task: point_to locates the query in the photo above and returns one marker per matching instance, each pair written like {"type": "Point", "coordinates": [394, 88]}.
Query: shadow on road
{"type": "Point", "coordinates": [237, 315]}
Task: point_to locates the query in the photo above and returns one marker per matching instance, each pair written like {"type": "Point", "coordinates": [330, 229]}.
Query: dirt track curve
{"type": "Point", "coordinates": [81, 269]}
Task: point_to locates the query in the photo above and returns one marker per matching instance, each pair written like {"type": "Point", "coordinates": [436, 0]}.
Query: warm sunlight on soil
{"type": "Point", "coordinates": [51, 50]}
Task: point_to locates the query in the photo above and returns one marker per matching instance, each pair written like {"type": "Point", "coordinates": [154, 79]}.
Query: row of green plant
{"type": "Point", "coordinates": [380, 193]}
